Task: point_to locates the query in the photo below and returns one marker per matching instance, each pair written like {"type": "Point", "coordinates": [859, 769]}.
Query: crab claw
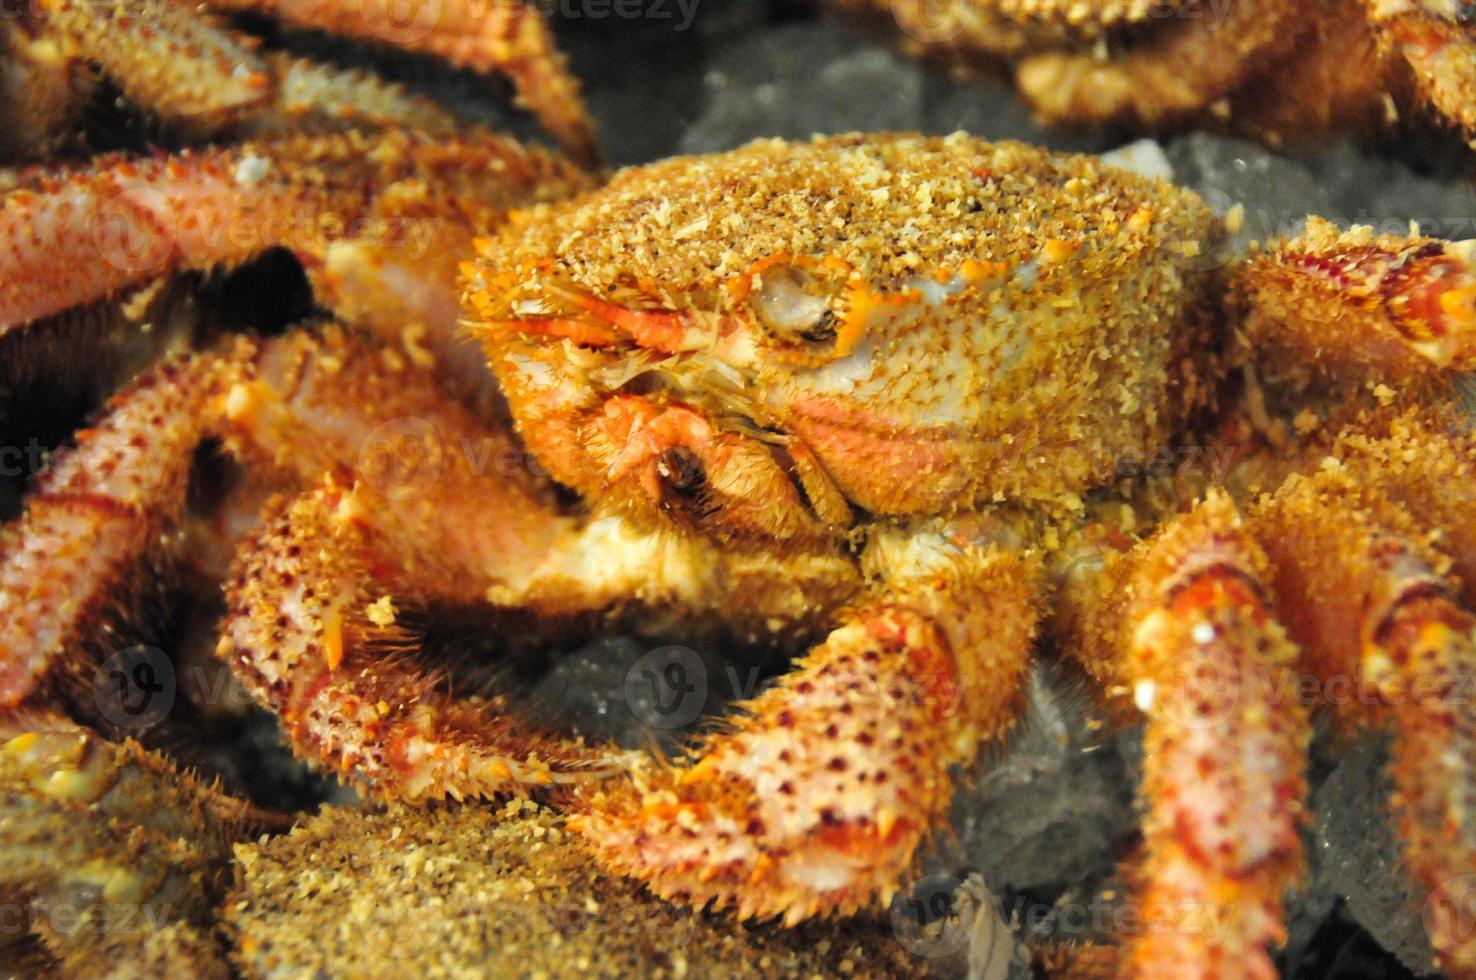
{"type": "Point", "coordinates": [817, 798]}
{"type": "Point", "coordinates": [1350, 303]}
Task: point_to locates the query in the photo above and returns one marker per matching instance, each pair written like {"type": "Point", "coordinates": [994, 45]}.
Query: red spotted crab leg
{"type": "Point", "coordinates": [378, 222]}
{"type": "Point", "coordinates": [301, 629]}
{"type": "Point", "coordinates": [1182, 623]}
{"type": "Point", "coordinates": [507, 36]}
{"type": "Point", "coordinates": [211, 81]}
{"type": "Point", "coordinates": [819, 793]}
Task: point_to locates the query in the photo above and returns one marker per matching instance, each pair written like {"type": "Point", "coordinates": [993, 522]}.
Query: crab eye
{"type": "Point", "coordinates": [795, 306]}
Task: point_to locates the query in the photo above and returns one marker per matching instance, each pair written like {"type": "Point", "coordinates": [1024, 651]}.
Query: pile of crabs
{"type": "Point", "coordinates": [871, 398]}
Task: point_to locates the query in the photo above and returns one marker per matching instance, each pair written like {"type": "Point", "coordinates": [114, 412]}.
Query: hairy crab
{"type": "Point", "coordinates": [208, 80]}
{"type": "Point", "coordinates": [1275, 69]}
{"type": "Point", "coordinates": [888, 392]}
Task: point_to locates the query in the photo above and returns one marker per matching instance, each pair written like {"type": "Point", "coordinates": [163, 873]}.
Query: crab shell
{"type": "Point", "coordinates": [761, 342]}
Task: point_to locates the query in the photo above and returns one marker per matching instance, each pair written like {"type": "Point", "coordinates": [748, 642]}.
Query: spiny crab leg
{"type": "Point", "coordinates": [1181, 622]}
{"type": "Point", "coordinates": [377, 214]}
{"type": "Point", "coordinates": [205, 79]}
{"type": "Point", "coordinates": [1164, 77]}
{"type": "Point", "coordinates": [1365, 597]}
{"type": "Point", "coordinates": [92, 517]}
{"type": "Point", "coordinates": [1360, 306]}
{"type": "Point", "coordinates": [164, 56]}
{"type": "Point", "coordinates": [312, 631]}
{"type": "Point", "coordinates": [1435, 38]}
{"type": "Point", "coordinates": [508, 36]}
{"type": "Point", "coordinates": [818, 796]}
{"type": "Point", "coordinates": [438, 514]}
{"type": "Point", "coordinates": [457, 494]}
{"type": "Point", "coordinates": [1369, 616]}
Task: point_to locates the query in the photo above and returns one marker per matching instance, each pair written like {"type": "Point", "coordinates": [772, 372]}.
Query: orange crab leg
{"type": "Point", "coordinates": [1223, 768]}
{"type": "Point", "coordinates": [484, 35]}
{"type": "Point", "coordinates": [165, 57]}
{"type": "Point", "coordinates": [313, 633]}
{"type": "Point", "coordinates": [1165, 76]}
{"type": "Point", "coordinates": [1361, 592]}
{"type": "Point", "coordinates": [1384, 308]}
{"type": "Point", "coordinates": [818, 797]}
{"type": "Point", "coordinates": [331, 199]}
{"type": "Point", "coordinates": [93, 517]}
{"type": "Point", "coordinates": [448, 488]}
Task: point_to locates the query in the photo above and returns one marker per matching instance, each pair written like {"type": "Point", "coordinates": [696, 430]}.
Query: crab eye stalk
{"type": "Point", "coordinates": [795, 307]}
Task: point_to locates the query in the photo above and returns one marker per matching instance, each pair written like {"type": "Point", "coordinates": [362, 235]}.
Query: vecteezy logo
{"type": "Point", "coordinates": [400, 22]}
{"type": "Point", "coordinates": [667, 688]}
{"type": "Point", "coordinates": [928, 919]}
{"type": "Point", "coordinates": [1450, 919]}
{"type": "Point", "coordinates": [133, 230]}
{"type": "Point", "coordinates": [402, 458]}
{"type": "Point", "coordinates": [929, 21]}
{"type": "Point", "coordinates": [134, 688]}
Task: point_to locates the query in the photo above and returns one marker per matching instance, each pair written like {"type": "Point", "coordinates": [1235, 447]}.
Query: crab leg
{"type": "Point", "coordinates": [1415, 458]}
{"type": "Point", "coordinates": [450, 491]}
{"type": "Point", "coordinates": [1435, 37]}
{"type": "Point", "coordinates": [361, 212]}
{"type": "Point", "coordinates": [1172, 74]}
{"type": "Point", "coordinates": [165, 57]}
{"type": "Point", "coordinates": [1361, 307]}
{"type": "Point", "coordinates": [484, 35]}
{"type": "Point", "coordinates": [1365, 597]}
{"type": "Point", "coordinates": [1179, 622]}
{"type": "Point", "coordinates": [203, 77]}
{"type": "Point", "coordinates": [301, 407]}
{"type": "Point", "coordinates": [443, 508]}
{"type": "Point", "coordinates": [312, 632]}
{"type": "Point", "coordinates": [818, 796]}
{"type": "Point", "coordinates": [93, 516]}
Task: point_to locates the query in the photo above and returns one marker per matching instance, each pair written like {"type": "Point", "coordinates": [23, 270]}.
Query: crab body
{"type": "Point", "coordinates": [999, 307]}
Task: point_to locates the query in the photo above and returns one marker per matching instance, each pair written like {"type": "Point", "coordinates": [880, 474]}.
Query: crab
{"type": "Point", "coordinates": [121, 856]}
{"type": "Point", "coordinates": [208, 81]}
{"type": "Point", "coordinates": [1274, 69]}
{"type": "Point", "coordinates": [895, 395]}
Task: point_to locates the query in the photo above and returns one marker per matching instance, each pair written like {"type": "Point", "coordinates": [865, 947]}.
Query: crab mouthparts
{"type": "Point", "coordinates": [565, 312]}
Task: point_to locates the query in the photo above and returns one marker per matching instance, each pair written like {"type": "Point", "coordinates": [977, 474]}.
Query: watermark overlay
{"type": "Point", "coordinates": [934, 916]}
{"type": "Point", "coordinates": [671, 686]}
{"type": "Point", "coordinates": [1207, 692]}
{"type": "Point", "coordinates": [401, 459]}
{"type": "Point", "coordinates": [667, 688]}
{"type": "Point", "coordinates": [410, 23]}
{"type": "Point", "coordinates": [135, 688]}
{"type": "Point", "coordinates": [99, 918]}
{"type": "Point", "coordinates": [1449, 918]}
{"type": "Point", "coordinates": [405, 23]}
